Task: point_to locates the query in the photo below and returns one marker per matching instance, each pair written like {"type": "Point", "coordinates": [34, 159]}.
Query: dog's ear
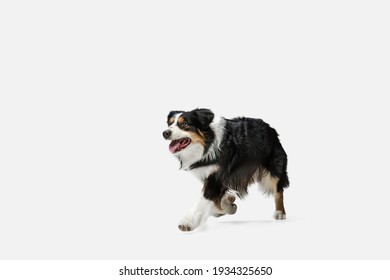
{"type": "Point", "coordinates": [202, 118]}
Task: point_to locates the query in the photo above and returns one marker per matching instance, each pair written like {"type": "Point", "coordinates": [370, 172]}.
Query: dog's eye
{"type": "Point", "coordinates": [184, 124]}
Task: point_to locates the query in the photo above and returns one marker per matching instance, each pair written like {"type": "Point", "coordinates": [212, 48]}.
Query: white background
{"type": "Point", "coordinates": [84, 93]}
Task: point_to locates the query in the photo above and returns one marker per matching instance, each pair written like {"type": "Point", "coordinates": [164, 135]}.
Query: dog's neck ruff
{"type": "Point", "coordinates": [211, 155]}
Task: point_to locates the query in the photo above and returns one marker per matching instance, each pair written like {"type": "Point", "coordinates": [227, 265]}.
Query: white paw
{"type": "Point", "coordinates": [188, 223]}
{"type": "Point", "coordinates": [279, 215]}
{"type": "Point", "coordinates": [197, 215]}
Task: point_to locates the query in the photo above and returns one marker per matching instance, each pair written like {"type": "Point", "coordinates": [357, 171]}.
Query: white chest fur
{"type": "Point", "coordinates": [203, 172]}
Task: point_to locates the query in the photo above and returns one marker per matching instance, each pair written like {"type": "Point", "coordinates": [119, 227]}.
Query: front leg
{"type": "Point", "coordinates": [215, 201]}
{"type": "Point", "coordinates": [198, 214]}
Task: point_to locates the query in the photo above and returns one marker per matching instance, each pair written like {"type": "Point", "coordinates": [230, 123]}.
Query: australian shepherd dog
{"type": "Point", "coordinates": [227, 155]}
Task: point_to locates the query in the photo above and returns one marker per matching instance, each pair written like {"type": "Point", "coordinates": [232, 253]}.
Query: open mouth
{"type": "Point", "coordinates": [179, 144]}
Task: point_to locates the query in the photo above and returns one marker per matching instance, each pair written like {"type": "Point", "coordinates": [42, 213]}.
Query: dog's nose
{"type": "Point", "coordinates": [167, 133]}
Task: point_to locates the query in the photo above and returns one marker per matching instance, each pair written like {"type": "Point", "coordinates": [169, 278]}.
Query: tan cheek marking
{"type": "Point", "coordinates": [196, 138]}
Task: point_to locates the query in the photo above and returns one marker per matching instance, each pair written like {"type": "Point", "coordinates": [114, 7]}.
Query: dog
{"type": "Point", "coordinates": [227, 155]}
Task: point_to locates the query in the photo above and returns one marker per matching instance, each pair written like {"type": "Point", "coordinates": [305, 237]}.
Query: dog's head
{"type": "Point", "coordinates": [189, 131]}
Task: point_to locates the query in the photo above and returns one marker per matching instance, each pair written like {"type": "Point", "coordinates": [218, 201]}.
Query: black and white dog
{"type": "Point", "coordinates": [227, 155]}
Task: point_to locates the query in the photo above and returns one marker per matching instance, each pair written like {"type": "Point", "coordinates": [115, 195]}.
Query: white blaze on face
{"type": "Point", "coordinates": [177, 133]}
{"type": "Point", "coordinates": [176, 119]}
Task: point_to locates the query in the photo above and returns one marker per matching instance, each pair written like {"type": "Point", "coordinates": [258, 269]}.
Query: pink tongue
{"type": "Point", "coordinates": [175, 144]}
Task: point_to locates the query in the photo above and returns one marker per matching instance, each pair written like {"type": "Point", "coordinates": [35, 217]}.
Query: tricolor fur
{"type": "Point", "coordinates": [227, 155]}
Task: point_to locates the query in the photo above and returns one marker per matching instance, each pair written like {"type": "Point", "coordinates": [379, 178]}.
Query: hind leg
{"type": "Point", "coordinates": [278, 168]}
{"type": "Point", "coordinates": [272, 185]}
{"type": "Point", "coordinates": [280, 212]}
